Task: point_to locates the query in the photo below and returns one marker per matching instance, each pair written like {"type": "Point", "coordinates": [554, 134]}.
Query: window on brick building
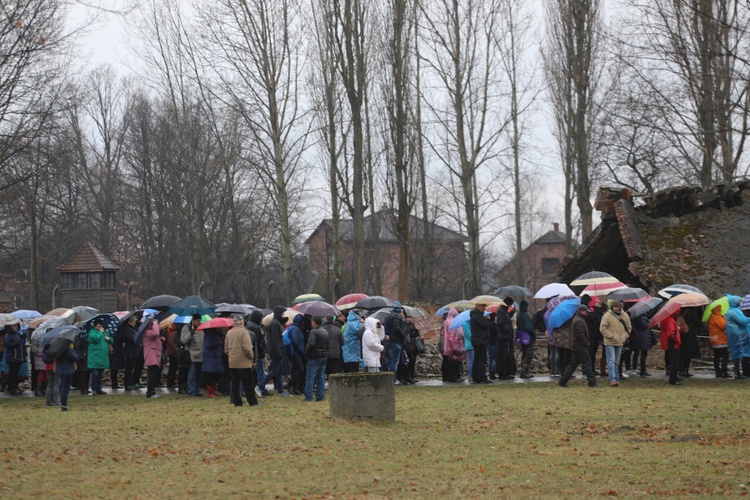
{"type": "Point", "coordinates": [549, 265]}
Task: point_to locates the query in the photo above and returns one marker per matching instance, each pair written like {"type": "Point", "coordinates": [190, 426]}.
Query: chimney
{"type": "Point", "coordinates": [556, 227]}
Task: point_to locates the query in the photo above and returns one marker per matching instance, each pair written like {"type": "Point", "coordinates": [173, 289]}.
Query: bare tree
{"type": "Point", "coordinates": [461, 37]}
{"type": "Point", "coordinates": [571, 59]}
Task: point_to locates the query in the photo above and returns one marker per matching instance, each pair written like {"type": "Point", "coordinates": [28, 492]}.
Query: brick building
{"type": "Point", "coordinates": [382, 257]}
{"type": "Point", "coordinates": [540, 261]}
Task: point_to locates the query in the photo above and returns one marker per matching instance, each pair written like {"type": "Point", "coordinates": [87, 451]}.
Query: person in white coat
{"type": "Point", "coordinates": [371, 346]}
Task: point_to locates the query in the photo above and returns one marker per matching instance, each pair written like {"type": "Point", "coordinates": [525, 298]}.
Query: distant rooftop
{"type": "Point", "coordinates": [89, 259]}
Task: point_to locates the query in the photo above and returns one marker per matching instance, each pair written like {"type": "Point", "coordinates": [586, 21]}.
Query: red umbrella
{"type": "Point", "coordinates": [667, 310]}
{"type": "Point", "coordinates": [216, 323]}
{"type": "Point", "coordinates": [603, 289]}
{"type": "Point", "coordinates": [349, 301]}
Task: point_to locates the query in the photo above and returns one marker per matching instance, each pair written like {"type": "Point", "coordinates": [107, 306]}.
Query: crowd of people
{"type": "Point", "coordinates": [482, 350]}
{"type": "Point", "coordinates": [295, 356]}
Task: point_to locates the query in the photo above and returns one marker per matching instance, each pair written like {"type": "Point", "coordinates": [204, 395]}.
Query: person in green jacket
{"type": "Point", "coordinates": [524, 324]}
{"type": "Point", "coordinates": [98, 355]}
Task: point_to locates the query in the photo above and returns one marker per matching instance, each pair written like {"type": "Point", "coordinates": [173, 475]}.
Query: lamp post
{"type": "Point", "coordinates": [335, 287]}
{"type": "Point", "coordinates": [127, 296]}
{"type": "Point", "coordinates": [54, 294]}
{"type": "Point", "coordinates": [466, 282]}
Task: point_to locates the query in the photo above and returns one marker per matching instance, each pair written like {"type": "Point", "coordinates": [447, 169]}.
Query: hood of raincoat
{"type": "Point", "coordinates": [278, 312]}
{"type": "Point", "coordinates": [256, 316]}
{"type": "Point", "coordinates": [352, 317]}
{"type": "Point", "coordinates": [372, 325]}
{"type": "Point", "coordinates": [734, 300]}
{"type": "Point", "coordinates": [524, 305]}
{"type": "Point", "coordinates": [299, 320]}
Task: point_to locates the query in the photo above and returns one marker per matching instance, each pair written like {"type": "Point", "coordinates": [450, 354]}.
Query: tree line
{"type": "Point", "coordinates": [246, 122]}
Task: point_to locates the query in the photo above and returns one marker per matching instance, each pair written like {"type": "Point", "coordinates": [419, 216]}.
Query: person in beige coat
{"type": "Point", "coordinates": [615, 328]}
{"type": "Point", "coordinates": [238, 347]}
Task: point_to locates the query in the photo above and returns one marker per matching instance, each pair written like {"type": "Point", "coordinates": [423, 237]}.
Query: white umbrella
{"type": "Point", "coordinates": [553, 290]}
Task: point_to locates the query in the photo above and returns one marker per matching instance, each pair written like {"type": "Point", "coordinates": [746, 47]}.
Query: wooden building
{"type": "Point", "coordinates": [89, 279]}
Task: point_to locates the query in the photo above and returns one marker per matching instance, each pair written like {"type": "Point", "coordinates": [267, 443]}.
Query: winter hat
{"type": "Point", "coordinates": [614, 303]}
{"type": "Point", "coordinates": [508, 301]}
{"type": "Point", "coordinates": [583, 308]}
{"type": "Point", "coordinates": [585, 299]}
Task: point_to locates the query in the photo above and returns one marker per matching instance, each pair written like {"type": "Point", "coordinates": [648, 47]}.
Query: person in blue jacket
{"type": "Point", "coordinates": [14, 356]}
{"type": "Point", "coordinates": [66, 367]}
{"type": "Point", "coordinates": [295, 353]}
{"type": "Point", "coordinates": [352, 343]}
{"type": "Point", "coordinates": [737, 336]}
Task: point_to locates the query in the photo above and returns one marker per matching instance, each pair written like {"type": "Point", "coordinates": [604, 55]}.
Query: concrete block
{"type": "Point", "coordinates": [362, 396]}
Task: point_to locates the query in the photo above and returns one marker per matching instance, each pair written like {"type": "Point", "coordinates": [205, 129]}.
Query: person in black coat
{"type": "Point", "coordinates": [506, 361]}
{"type": "Point", "coordinates": [14, 356]}
{"type": "Point", "coordinates": [480, 338]}
{"type": "Point", "coordinates": [689, 347]}
{"type": "Point", "coordinates": [126, 336]}
{"type": "Point", "coordinates": [259, 347]}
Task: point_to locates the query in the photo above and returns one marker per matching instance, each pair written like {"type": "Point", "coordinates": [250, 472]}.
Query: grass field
{"type": "Point", "coordinates": [517, 440]}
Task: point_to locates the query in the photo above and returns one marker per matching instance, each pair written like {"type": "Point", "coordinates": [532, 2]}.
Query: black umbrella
{"type": "Point", "coordinates": [232, 309]}
{"type": "Point", "coordinates": [628, 295]}
{"type": "Point", "coordinates": [317, 308]}
{"type": "Point", "coordinates": [62, 341]}
{"type": "Point", "coordinates": [192, 304]}
{"type": "Point", "coordinates": [160, 302]}
{"type": "Point", "coordinates": [109, 322]}
{"type": "Point", "coordinates": [375, 302]}
{"type": "Point", "coordinates": [513, 291]}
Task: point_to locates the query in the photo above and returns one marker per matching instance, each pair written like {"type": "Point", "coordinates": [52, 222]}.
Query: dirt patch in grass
{"type": "Point", "coordinates": [511, 440]}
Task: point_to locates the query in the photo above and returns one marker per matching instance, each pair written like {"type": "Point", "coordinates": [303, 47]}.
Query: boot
{"type": "Point", "coordinates": [211, 391]}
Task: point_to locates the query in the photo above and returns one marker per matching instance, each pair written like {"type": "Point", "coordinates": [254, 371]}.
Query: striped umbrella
{"type": "Point", "coordinates": [593, 277]}
{"type": "Point", "coordinates": [603, 289]}
{"type": "Point", "coordinates": [745, 302]}
{"type": "Point", "coordinates": [306, 297]}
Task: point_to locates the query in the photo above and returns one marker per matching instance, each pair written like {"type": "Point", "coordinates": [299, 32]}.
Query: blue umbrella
{"type": "Point", "coordinates": [745, 302]}
{"type": "Point", "coordinates": [460, 320]}
{"type": "Point", "coordinates": [442, 311]}
{"type": "Point", "coordinates": [562, 313]}
{"type": "Point", "coordinates": [23, 314]}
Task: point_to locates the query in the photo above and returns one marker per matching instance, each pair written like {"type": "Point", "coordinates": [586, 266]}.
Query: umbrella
{"type": "Point", "coordinates": [160, 302]}
{"type": "Point", "coordinates": [668, 309]}
{"type": "Point", "coordinates": [7, 319]}
{"type": "Point", "coordinates": [562, 313]}
{"type": "Point", "coordinates": [306, 297]}
{"type": "Point", "coordinates": [689, 299]}
{"type": "Point", "coordinates": [721, 301]}
{"type": "Point", "coordinates": [677, 289]}
{"type": "Point", "coordinates": [23, 314]}
{"type": "Point", "coordinates": [110, 322]}
{"type": "Point", "coordinates": [442, 311]}
{"type": "Point", "coordinates": [414, 312]}
{"type": "Point", "coordinates": [50, 334]}
{"type": "Point", "coordinates": [381, 314]}
{"type": "Point", "coordinates": [122, 314]}
{"type": "Point", "coordinates": [62, 340]}
{"type": "Point", "coordinates": [460, 320]}
{"type": "Point", "coordinates": [375, 302]}
{"type": "Point", "coordinates": [34, 323]}
{"type": "Point", "coordinates": [486, 299]}
{"type": "Point", "coordinates": [553, 290]}
{"type": "Point", "coordinates": [602, 289]}
{"type": "Point", "coordinates": [167, 321]}
{"type": "Point", "coordinates": [84, 313]}
{"type": "Point", "coordinates": [289, 314]}
{"type": "Point", "coordinates": [644, 306]}
{"type": "Point", "coordinates": [192, 304]}
{"type": "Point", "coordinates": [60, 311]}
{"type": "Point", "coordinates": [232, 309]}
{"type": "Point", "coordinates": [745, 303]}
{"type": "Point", "coordinates": [316, 308]}
{"type": "Point", "coordinates": [593, 277]}
{"type": "Point", "coordinates": [350, 301]}
{"type": "Point", "coordinates": [51, 324]}
{"type": "Point", "coordinates": [513, 291]}
{"type": "Point", "coordinates": [187, 319]}
{"type": "Point", "coordinates": [460, 305]}
{"type": "Point", "coordinates": [629, 294]}
{"type": "Point", "coordinates": [216, 323]}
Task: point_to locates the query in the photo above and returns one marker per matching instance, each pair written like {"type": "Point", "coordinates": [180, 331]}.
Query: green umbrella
{"type": "Point", "coordinates": [723, 302]}
{"type": "Point", "coordinates": [307, 297]}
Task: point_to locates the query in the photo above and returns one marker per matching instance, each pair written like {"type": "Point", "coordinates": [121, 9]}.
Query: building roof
{"type": "Point", "coordinates": [551, 237]}
{"type": "Point", "coordinates": [382, 225]}
{"type": "Point", "coordinates": [88, 260]}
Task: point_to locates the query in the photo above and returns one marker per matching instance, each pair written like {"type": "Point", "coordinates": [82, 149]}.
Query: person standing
{"type": "Point", "coordinates": [238, 347]}
{"type": "Point", "coordinates": [580, 348]}
{"type": "Point", "coordinates": [670, 343]}
{"type": "Point", "coordinates": [615, 328]}
{"type": "Point", "coordinates": [641, 344]}
{"type": "Point", "coordinates": [295, 352]}
{"type": "Point", "coordinates": [53, 379]}
{"type": "Point", "coordinates": [352, 350]}
{"type": "Point", "coordinates": [689, 347]}
{"type": "Point", "coordinates": [524, 324]}
{"type": "Point", "coordinates": [506, 361]}
{"type": "Point", "coordinates": [98, 355]}
{"type": "Point", "coordinates": [737, 336]}
{"type": "Point", "coordinates": [717, 335]}
{"type": "Point", "coordinates": [192, 340]}
{"type": "Point", "coordinates": [212, 362]}
{"type": "Point", "coordinates": [317, 357]}
{"type": "Point", "coordinates": [335, 343]}
{"type": "Point", "coordinates": [480, 337]}
{"type": "Point", "coordinates": [395, 330]}
{"type": "Point", "coordinates": [14, 357]}
{"type": "Point", "coordinates": [152, 349]}
{"type": "Point", "coordinates": [275, 346]}
{"type": "Point", "coordinates": [371, 345]}
{"type": "Point", "coordinates": [126, 334]}
{"type": "Point", "coordinates": [66, 367]}
{"type": "Point", "coordinates": [259, 348]}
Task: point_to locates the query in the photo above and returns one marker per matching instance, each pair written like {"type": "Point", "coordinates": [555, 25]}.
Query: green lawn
{"type": "Point", "coordinates": [515, 440]}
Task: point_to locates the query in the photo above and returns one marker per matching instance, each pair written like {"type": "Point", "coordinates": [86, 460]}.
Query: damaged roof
{"type": "Point", "coordinates": [681, 235]}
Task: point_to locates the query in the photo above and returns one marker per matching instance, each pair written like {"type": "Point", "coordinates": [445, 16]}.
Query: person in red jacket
{"type": "Point", "coordinates": [670, 342]}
